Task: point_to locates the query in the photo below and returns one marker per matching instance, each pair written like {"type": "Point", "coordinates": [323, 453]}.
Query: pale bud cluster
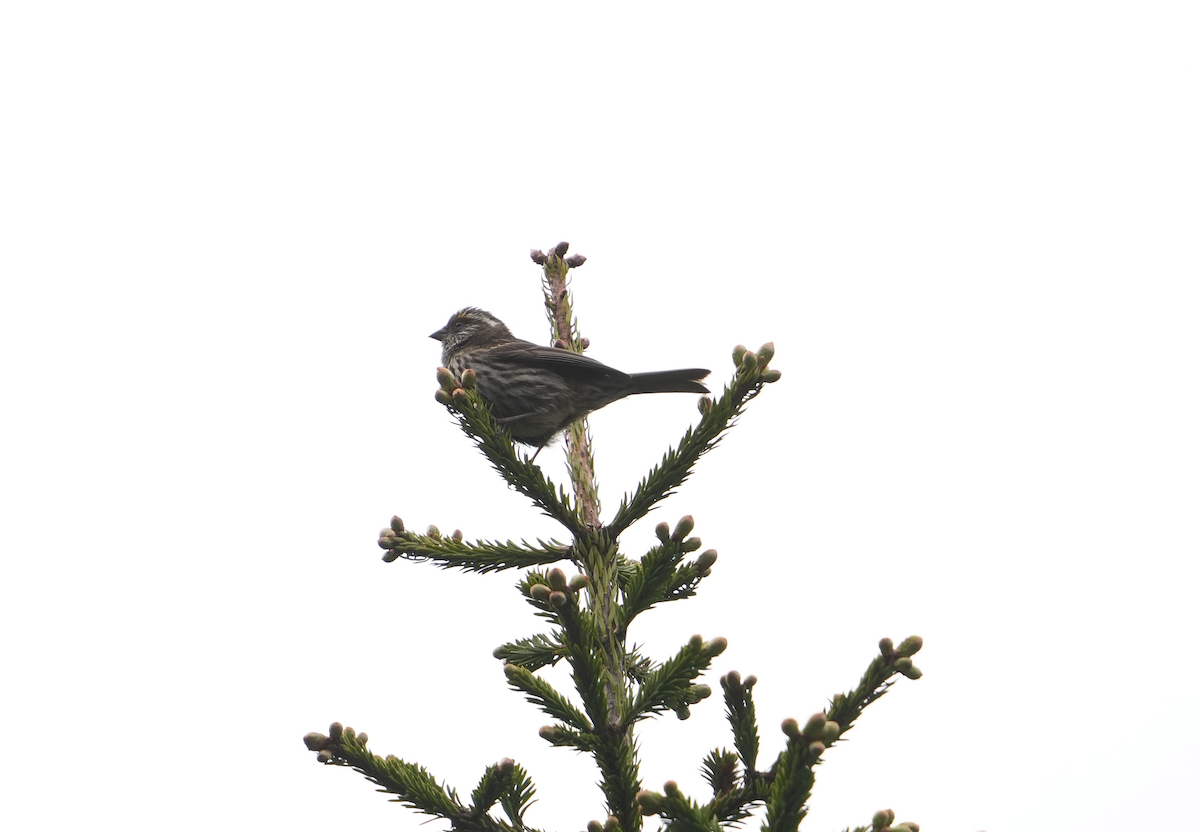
{"type": "Point", "coordinates": [885, 821]}
{"type": "Point", "coordinates": [327, 747]}
{"type": "Point", "coordinates": [559, 588]}
{"type": "Point", "coordinates": [901, 657]}
{"type": "Point", "coordinates": [393, 536]}
{"type": "Point", "coordinates": [755, 363]}
{"type": "Point", "coordinates": [453, 391]}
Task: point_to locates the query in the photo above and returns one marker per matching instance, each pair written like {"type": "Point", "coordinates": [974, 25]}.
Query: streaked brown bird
{"type": "Point", "coordinates": [536, 391]}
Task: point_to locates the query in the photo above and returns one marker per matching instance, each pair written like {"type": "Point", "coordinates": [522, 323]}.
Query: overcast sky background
{"type": "Point", "coordinates": [226, 230]}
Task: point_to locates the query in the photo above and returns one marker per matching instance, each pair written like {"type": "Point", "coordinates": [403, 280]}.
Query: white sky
{"type": "Point", "coordinates": [227, 228]}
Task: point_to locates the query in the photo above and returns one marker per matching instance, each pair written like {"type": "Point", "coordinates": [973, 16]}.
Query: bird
{"type": "Point", "coordinates": [535, 392]}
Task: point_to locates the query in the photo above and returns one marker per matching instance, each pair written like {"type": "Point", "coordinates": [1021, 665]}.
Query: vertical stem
{"type": "Point", "coordinates": [579, 446]}
{"type": "Point", "coordinates": [617, 756]}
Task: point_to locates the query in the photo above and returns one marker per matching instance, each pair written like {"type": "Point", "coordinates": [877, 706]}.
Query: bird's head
{"type": "Point", "coordinates": [471, 327]}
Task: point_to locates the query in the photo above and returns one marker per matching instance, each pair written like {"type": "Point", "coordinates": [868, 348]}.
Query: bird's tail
{"type": "Point", "coordinates": [669, 381]}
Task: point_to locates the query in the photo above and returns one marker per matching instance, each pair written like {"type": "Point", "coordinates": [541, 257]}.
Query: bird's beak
{"type": "Point", "coordinates": [440, 335]}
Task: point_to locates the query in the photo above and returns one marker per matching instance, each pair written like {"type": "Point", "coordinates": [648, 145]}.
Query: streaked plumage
{"type": "Point", "coordinates": [536, 391]}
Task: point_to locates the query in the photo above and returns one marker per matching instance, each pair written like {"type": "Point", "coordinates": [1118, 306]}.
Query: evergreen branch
{"type": "Point", "coordinates": [586, 658]}
{"type": "Point", "coordinates": [560, 736]}
{"type": "Point", "coordinates": [637, 666]}
{"type": "Point", "coordinates": [412, 784]}
{"type": "Point", "coordinates": [677, 463]}
{"type": "Point", "coordinates": [669, 686]}
{"type": "Point", "coordinates": [647, 585]}
{"type": "Point", "coordinates": [481, 556]}
{"type": "Point", "coordinates": [844, 709]}
{"type": "Point", "coordinates": [496, 780]}
{"type": "Point", "coordinates": [531, 653]}
{"type": "Point", "coordinates": [517, 797]}
{"type": "Point", "coordinates": [542, 693]}
{"type": "Point", "coordinates": [720, 769]}
{"type": "Point", "coordinates": [791, 787]}
{"type": "Point", "coordinates": [475, 418]}
{"type": "Point", "coordinates": [680, 812]}
{"type": "Point", "coordinates": [616, 757]}
{"type": "Point", "coordinates": [739, 709]}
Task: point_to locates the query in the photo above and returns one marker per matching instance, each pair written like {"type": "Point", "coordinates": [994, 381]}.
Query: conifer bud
{"type": "Point", "coordinates": [468, 379]}
{"type": "Point", "coordinates": [537, 256]}
{"type": "Point", "coordinates": [731, 680]}
{"type": "Point", "coordinates": [539, 592]}
{"type": "Point", "coordinates": [561, 248]}
{"type": "Point", "coordinates": [749, 362]}
{"type": "Point", "coordinates": [716, 647]}
{"type": "Point", "coordinates": [882, 818]}
{"type": "Point", "coordinates": [386, 534]}
{"type": "Point", "coordinates": [324, 756]}
{"type": "Point", "coordinates": [910, 646]}
{"type": "Point", "coordinates": [362, 738]}
{"type": "Point", "coordinates": [751, 680]}
{"type": "Point", "coordinates": [558, 599]}
{"type": "Point", "coordinates": [691, 544]}
{"type": "Point", "coordinates": [683, 528]}
{"type": "Point", "coordinates": [815, 726]}
{"type": "Point", "coordinates": [704, 405]}
{"type": "Point", "coordinates": [792, 728]}
{"type": "Point", "coordinates": [584, 343]}
{"type": "Point", "coordinates": [457, 535]}
{"type": "Point", "coordinates": [433, 532]}
{"type": "Point", "coordinates": [315, 741]}
{"type": "Point", "coordinates": [335, 732]}
{"type": "Point", "coordinates": [446, 379]}
{"type": "Point", "coordinates": [595, 826]}
{"type": "Point", "coordinates": [663, 532]}
{"type": "Point", "coordinates": [706, 559]}
{"type": "Point", "coordinates": [548, 733]}
{"type": "Point", "coordinates": [560, 344]}
{"type": "Point", "coordinates": [885, 647]}
{"type": "Point", "coordinates": [771, 376]}
{"type": "Point", "coordinates": [459, 396]}
{"type": "Point", "coordinates": [831, 733]}
{"type": "Point", "coordinates": [671, 788]}
{"type": "Point", "coordinates": [913, 672]}
{"type": "Point", "coordinates": [576, 260]}
{"type": "Point", "coordinates": [505, 766]}
{"type": "Point", "coordinates": [649, 802]}
{"type": "Point", "coordinates": [903, 664]}
{"type": "Point", "coordinates": [397, 524]}
{"type": "Point", "coordinates": [442, 397]}
{"type": "Point", "coordinates": [765, 353]}
{"type": "Point", "coordinates": [558, 578]}
{"type": "Point", "coordinates": [390, 556]}
{"type": "Point", "coordinates": [701, 692]}
{"type": "Point", "coordinates": [816, 748]}
{"type": "Point", "coordinates": [738, 353]}
{"type": "Point", "coordinates": [579, 581]}
{"type": "Point", "coordinates": [612, 824]}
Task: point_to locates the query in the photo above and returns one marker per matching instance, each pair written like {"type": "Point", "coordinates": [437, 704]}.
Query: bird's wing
{"type": "Point", "coordinates": [555, 360]}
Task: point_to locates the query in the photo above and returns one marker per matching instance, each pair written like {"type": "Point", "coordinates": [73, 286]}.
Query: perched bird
{"type": "Point", "coordinates": [535, 391]}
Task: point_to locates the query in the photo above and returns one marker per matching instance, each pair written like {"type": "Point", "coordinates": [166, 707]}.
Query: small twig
{"type": "Point", "coordinates": [565, 332]}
